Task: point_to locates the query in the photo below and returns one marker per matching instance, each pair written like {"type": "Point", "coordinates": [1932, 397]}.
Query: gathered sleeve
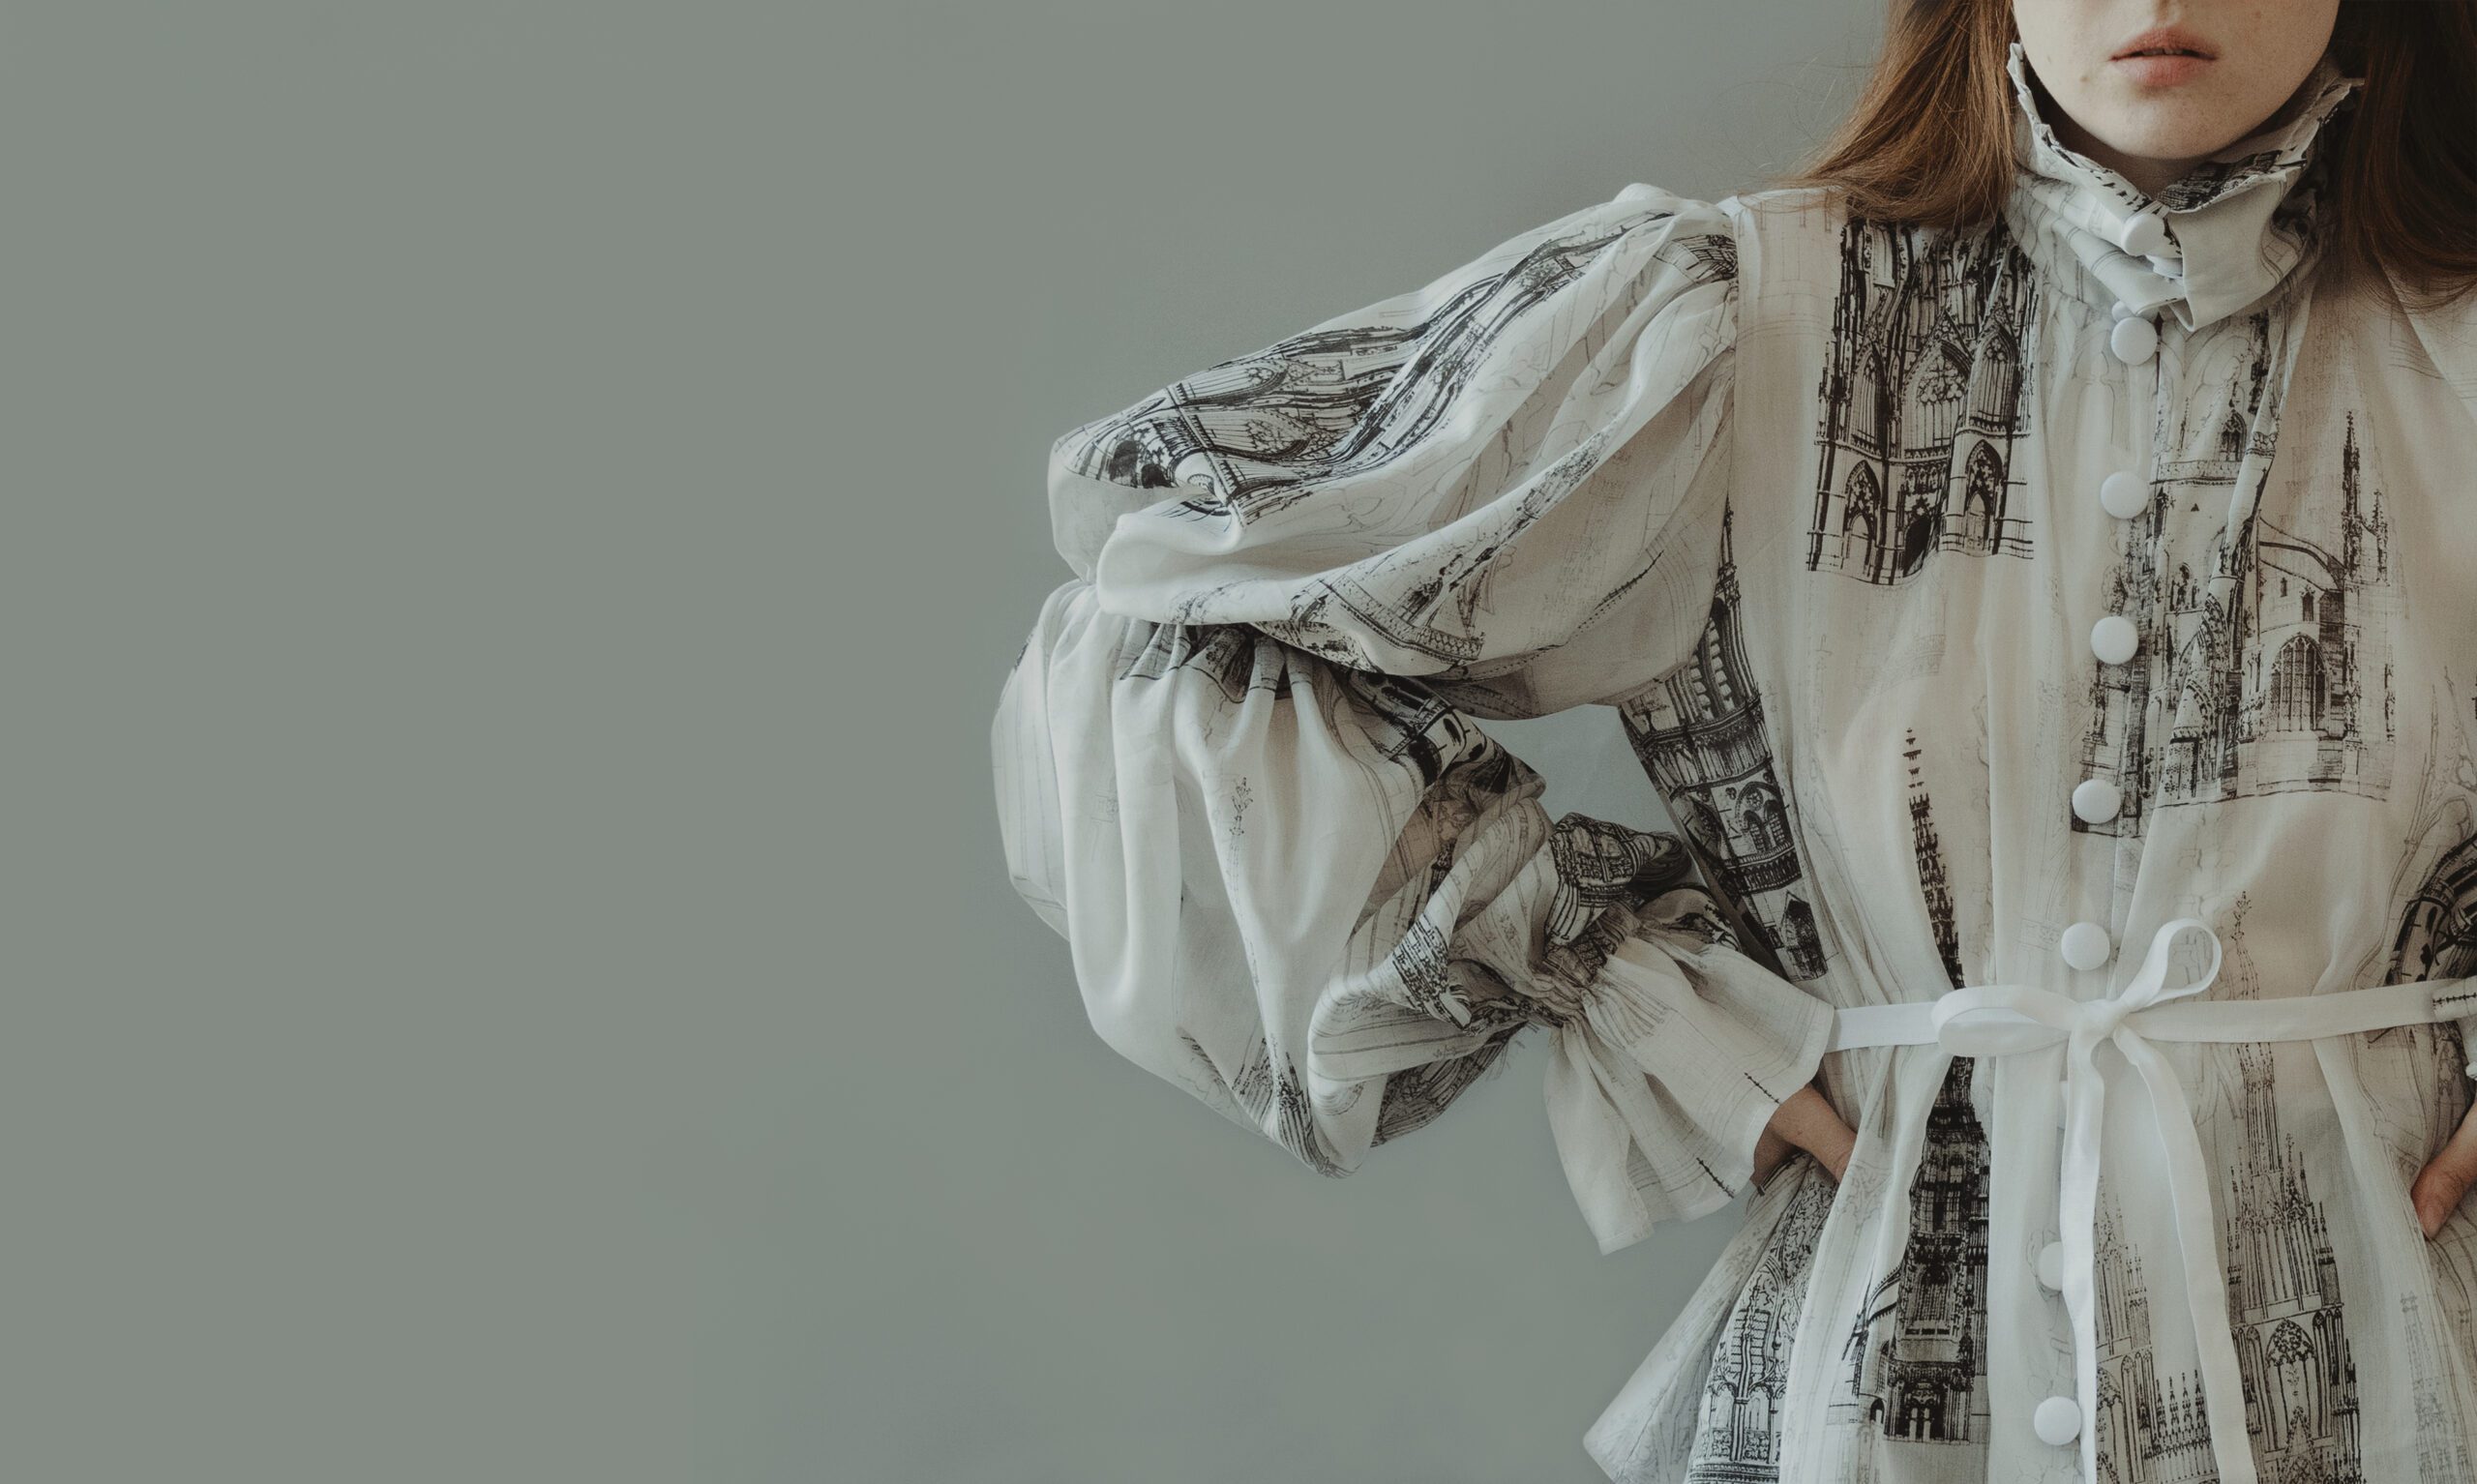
{"type": "Point", "coordinates": [1235, 762]}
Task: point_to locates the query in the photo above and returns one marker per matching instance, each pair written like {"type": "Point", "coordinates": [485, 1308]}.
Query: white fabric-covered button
{"type": "Point", "coordinates": [2143, 233]}
{"type": "Point", "coordinates": [2115, 638]}
{"type": "Point", "coordinates": [2085, 945]}
{"type": "Point", "coordinates": [2119, 309]}
{"type": "Point", "coordinates": [2095, 800]}
{"type": "Point", "coordinates": [2124, 494]}
{"type": "Point", "coordinates": [2058, 1420]}
{"type": "Point", "coordinates": [2133, 339]}
{"type": "Point", "coordinates": [2052, 1265]}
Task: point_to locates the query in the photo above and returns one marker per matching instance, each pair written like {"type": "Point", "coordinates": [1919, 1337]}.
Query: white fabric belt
{"type": "Point", "coordinates": [1998, 1019]}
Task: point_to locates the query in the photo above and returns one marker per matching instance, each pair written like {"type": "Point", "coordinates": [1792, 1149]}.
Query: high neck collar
{"type": "Point", "coordinates": [2236, 225]}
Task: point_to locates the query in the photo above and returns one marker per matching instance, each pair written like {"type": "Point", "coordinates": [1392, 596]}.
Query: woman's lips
{"type": "Point", "coordinates": [2165, 69]}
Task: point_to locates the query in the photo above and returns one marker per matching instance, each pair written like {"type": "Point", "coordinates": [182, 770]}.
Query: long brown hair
{"type": "Point", "coordinates": [1930, 139]}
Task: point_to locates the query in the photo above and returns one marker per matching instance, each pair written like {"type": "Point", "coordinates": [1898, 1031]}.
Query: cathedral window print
{"type": "Point", "coordinates": [1924, 398]}
{"type": "Point", "coordinates": [2264, 664]}
{"type": "Point", "coordinates": [2284, 1306]}
{"type": "Point", "coordinates": [1737, 1439]}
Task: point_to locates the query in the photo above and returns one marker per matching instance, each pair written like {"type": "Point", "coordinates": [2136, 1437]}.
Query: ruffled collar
{"type": "Point", "coordinates": [2225, 233]}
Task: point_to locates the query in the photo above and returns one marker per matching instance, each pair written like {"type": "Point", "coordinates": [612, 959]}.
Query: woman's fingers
{"type": "Point", "coordinates": [2447, 1177]}
{"type": "Point", "coordinates": [1805, 1118]}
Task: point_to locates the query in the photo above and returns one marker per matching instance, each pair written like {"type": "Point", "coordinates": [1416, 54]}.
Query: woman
{"type": "Point", "coordinates": [2034, 554]}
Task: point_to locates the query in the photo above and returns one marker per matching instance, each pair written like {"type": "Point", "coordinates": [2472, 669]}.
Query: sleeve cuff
{"type": "Point", "coordinates": [1660, 1085]}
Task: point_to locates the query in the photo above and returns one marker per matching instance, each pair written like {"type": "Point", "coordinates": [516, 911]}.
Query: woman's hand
{"type": "Point", "coordinates": [2446, 1178]}
{"type": "Point", "coordinates": [1804, 1120]}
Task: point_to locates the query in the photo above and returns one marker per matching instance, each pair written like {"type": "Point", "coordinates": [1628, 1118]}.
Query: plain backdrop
{"type": "Point", "coordinates": [516, 517]}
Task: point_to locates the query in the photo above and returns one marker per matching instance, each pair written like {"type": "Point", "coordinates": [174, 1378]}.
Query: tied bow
{"type": "Point", "coordinates": [2010, 1018]}
{"type": "Point", "coordinates": [2006, 1019]}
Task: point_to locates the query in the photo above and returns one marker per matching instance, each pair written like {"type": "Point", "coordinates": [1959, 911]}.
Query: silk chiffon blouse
{"type": "Point", "coordinates": [1975, 602]}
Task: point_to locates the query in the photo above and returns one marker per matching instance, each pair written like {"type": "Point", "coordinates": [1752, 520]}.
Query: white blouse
{"type": "Point", "coordinates": [2027, 607]}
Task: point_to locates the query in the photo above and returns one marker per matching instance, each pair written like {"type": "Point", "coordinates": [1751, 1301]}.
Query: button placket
{"type": "Point", "coordinates": [2115, 638]}
{"type": "Point", "coordinates": [2156, 377]}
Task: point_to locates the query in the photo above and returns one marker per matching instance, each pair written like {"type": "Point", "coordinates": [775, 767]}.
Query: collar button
{"type": "Point", "coordinates": [2142, 234]}
{"type": "Point", "coordinates": [2134, 339]}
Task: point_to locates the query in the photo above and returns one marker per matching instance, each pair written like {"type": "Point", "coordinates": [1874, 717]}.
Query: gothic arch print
{"type": "Point", "coordinates": [1982, 499]}
{"type": "Point", "coordinates": [2297, 688]}
{"type": "Point", "coordinates": [1926, 398]}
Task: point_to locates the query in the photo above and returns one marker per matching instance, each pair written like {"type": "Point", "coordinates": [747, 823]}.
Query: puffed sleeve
{"type": "Point", "coordinates": [1235, 760]}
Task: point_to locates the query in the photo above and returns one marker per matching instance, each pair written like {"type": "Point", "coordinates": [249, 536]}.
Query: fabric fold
{"type": "Point", "coordinates": [1238, 762]}
{"type": "Point", "coordinates": [1509, 481]}
{"type": "Point", "coordinates": [2237, 224]}
{"type": "Point", "coordinates": [1324, 904]}
{"type": "Point", "coordinates": [1666, 1068]}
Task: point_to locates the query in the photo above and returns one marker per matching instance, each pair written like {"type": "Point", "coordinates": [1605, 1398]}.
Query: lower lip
{"type": "Point", "coordinates": [2165, 71]}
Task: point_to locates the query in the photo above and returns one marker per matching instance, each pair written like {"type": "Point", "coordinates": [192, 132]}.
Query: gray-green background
{"type": "Point", "coordinates": [515, 513]}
